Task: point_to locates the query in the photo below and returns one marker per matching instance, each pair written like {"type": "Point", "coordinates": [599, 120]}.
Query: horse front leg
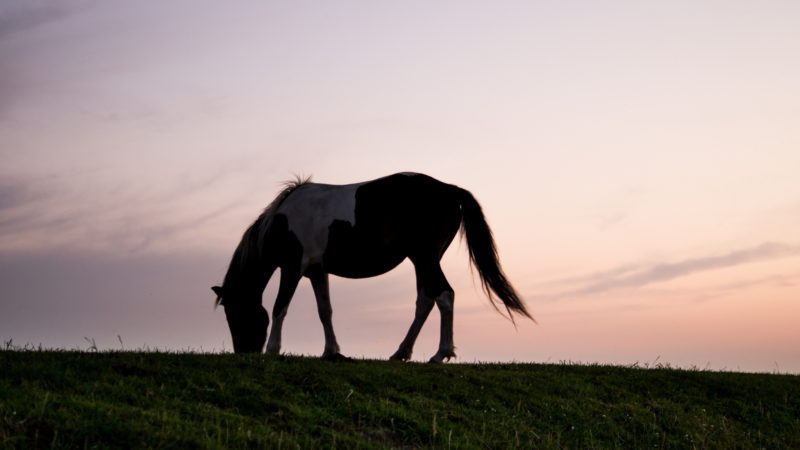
{"type": "Point", "coordinates": [286, 290]}
{"type": "Point", "coordinates": [319, 282]}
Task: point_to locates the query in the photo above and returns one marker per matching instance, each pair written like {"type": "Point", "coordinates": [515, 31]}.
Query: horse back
{"type": "Point", "coordinates": [365, 229]}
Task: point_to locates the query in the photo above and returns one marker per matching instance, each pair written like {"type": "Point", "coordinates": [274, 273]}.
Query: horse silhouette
{"type": "Point", "coordinates": [356, 231]}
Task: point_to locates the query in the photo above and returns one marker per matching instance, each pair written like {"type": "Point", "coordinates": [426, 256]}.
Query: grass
{"type": "Point", "coordinates": [134, 399]}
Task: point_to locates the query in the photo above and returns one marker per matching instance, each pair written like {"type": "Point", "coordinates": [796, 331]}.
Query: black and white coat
{"type": "Point", "coordinates": [356, 231]}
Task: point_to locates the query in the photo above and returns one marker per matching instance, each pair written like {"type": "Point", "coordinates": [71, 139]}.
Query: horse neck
{"type": "Point", "coordinates": [248, 277]}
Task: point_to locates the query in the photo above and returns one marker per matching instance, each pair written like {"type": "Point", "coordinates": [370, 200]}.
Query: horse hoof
{"type": "Point", "coordinates": [435, 360]}
{"type": "Point", "coordinates": [400, 356]}
{"type": "Point", "coordinates": [336, 357]}
{"type": "Point", "coordinates": [440, 358]}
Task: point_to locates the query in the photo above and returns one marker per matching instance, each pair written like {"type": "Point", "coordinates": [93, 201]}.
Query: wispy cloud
{"type": "Point", "coordinates": [19, 16]}
{"type": "Point", "coordinates": [781, 281]}
{"type": "Point", "coordinates": [59, 212]}
{"type": "Point", "coordinates": [20, 203]}
{"type": "Point", "coordinates": [637, 276]}
{"type": "Point", "coordinates": [13, 193]}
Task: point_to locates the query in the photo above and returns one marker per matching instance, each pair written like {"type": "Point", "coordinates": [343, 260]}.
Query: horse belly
{"type": "Point", "coordinates": [355, 255]}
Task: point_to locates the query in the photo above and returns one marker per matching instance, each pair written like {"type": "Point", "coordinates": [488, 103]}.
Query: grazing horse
{"type": "Point", "coordinates": [357, 231]}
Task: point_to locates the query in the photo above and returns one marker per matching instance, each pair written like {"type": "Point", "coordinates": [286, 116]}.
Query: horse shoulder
{"type": "Point", "coordinates": [312, 209]}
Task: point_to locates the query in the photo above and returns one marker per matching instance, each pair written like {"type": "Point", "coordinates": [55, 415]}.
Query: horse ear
{"type": "Point", "coordinates": [217, 290]}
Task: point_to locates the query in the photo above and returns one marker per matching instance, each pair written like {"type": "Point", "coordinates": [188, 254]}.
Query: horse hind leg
{"type": "Point", "coordinates": [433, 288]}
{"type": "Point", "coordinates": [424, 307]}
{"type": "Point", "coordinates": [444, 302]}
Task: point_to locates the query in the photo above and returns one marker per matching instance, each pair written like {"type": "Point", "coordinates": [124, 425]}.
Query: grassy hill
{"type": "Point", "coordinates": [127, 399]}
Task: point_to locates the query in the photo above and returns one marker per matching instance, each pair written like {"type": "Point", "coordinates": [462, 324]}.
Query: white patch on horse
{"type": "Point", "coordinates": [311, 209]}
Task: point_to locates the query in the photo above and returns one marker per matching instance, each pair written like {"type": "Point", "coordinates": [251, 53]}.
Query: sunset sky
{"type": "Point", "coordinates": [638, 162]}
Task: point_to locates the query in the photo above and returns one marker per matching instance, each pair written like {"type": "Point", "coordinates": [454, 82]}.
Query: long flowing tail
{"type": "Point", "coordinates": [483, 255]}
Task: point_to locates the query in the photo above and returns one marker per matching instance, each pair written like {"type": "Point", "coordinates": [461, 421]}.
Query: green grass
{"type": "Point", "coordinates": [133, 399]}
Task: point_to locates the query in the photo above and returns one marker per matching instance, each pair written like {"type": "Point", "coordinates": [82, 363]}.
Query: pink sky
{"type": "Point", "coordinates": [638, 164]}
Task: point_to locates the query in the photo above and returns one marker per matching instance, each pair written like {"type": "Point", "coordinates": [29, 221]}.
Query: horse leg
{"type": "Point", "coordinates": [286, 290]}
{"type": "Point", "coordinates": [424, 307]}
{"type": "Point", "coordinates": [432, 287]}
{"type": "Point", "coordinates": [319, 282]}
{"type": "Point", "coordinates": [446, 348]}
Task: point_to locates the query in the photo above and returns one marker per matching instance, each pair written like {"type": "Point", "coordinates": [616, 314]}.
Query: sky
{"type": "Point", "coordinates": [637, 162]}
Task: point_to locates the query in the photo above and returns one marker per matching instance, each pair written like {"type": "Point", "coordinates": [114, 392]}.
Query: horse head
{"type": "Point", "coordinates": [247, 320]}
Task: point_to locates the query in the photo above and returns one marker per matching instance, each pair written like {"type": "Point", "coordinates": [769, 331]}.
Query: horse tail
{"type": "Point", "coordinates": [483, 255]}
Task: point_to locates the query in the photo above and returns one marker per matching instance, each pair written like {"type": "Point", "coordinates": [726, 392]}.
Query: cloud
{"type": "Point", "coordinates": [637, 276]}
{"type": "Point", "coordinates": [13, 193]}
{"type": "Point", "coordinates": [782, 281]}
{"type": "Point", "coordinates": [20, 203]}
{"type": "Point", "coordinates": [91, 210]}
{"type": "Point", "coordinates": [22, 15]}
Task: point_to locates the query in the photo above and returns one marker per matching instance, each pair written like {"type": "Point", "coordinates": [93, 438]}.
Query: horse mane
{"type": "Point", "coordinates": [250, 247]}
{"type": "Point", "coordinates": [264, 221]}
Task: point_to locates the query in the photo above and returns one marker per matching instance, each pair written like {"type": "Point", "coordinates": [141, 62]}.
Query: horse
{"type": "Point", "coordinates": [359, 230]}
